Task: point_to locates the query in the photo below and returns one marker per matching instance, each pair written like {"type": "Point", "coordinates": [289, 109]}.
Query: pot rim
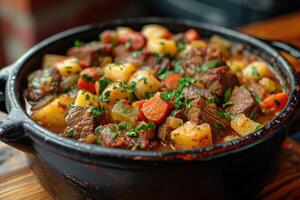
{"type": "Point", "coordinates": [77, 149]}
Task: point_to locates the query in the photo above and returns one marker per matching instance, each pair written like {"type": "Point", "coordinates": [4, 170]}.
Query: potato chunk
{"type": "Point", "coordinates": [85, 98]}
{"type": "Point", "coordinates": [53, 114]}
{"type": "Point", "coordinates": [268, 84]}
{"type": "Point", "coordinates": [235, 66]}
{"type": "Point", "coordinates": [50, 59]}
{"type": "Point", "coordinates": [145, 82]}
{"type": "Point", "coordinates": [119, 72]}
{"type": "Point", "coordinates": [121, 112]}
{"type": "Point", "coordinates": [68, 67]}
{"type": "Point", "coordinates": [256, 70]}
{"type": "Point", "coordinates": [115, 91]}
{"type": "Point", "coordinates": [243, 125]}
{"type": "Point", "coordinates": [159, 45]}
{"type": "Point", "coordinates": [192, 136]}
{"type": "Point", "coordinates": [152, 31]}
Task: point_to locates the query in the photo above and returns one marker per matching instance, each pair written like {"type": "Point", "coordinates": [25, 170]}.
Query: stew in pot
{"type": "Point", "coordinates": [154, 90]}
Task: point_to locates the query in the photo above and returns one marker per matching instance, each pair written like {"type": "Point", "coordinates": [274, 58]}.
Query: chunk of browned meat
{"type": "Point", "coordinates": [110, 136]}
{"type": "Point", "coordinates": [219, 79]}
{"type": "Point", "coordinates": [91, 53]}
{"type": "Point", "coordinates": [257, 90]}
{"type": "Point", "coordinates": [164, 131]}
{"type": "Point", "coordinates": [201, 112]}
{"type": "Point", "coordinates": [195, 57]}
{"type": "Point", "coordinates": [157, 64]}
{"type": "Point", "coordinates": [192, 92]}
{"type": "Point", "coordinates": [242, 102]}
{"type": "Point", "coordinates": [121, 54]}
{"type": "Point", "coordinates": [80, 122]}
{"type": "Point", "coordinates": [42, 83]}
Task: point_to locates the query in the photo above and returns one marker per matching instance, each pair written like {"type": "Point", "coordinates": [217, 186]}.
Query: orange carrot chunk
{"type": "Point", "coordinates": [275, 102]}
{"type": "Point", "coordinates": [139, 104]}
{"type": "Point", "coordinates": [171, 81]}
{"type": "Point", "coordinates": [156, 109]}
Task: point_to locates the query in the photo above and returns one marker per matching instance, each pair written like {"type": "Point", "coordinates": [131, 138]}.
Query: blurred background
{"type": "Point", "coordinates": [24, 23]}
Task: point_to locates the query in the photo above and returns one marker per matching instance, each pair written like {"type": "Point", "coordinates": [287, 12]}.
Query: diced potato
{"type": "Point", "coordinates": [235, 65]}
{"type": "Point", "coordinates": [85, 98]}
{"type": "Point", "coordinates": [192, 136]}
{"type": "Point", "coordinates": [159, 45]}
{"type": "Point", "coordinates": [243, 125]}
{"type": "Point", "coordinates": [50, 59]}
{"type": "Point", "coordinates": [268, 84]}
{"type": "Point", "coordinates": [119, 72]}
{"type": "Point", "coordinates": [220, 42]}
{"type": "Point", "coordinates": [53, 114]}
{"type": "Point", "coordinates": [68, 67]}
{"type": "Point", "coordinates": [121, 112]}
{"type": "Point", "coordinates": [115, 91]}
{"type": "Point", "coordinates": [121, 30]}
{"type": "Point", "coordinates": [256, 70]}
{"type": "Point", "coordinates": [174, 122]}
{"type": "Point", "coordinates": [152, 31]}
{"type": "Point", "coordinates": [105, 60]}
{"type": "Point", "coordinates": [145, 83]}
{"type": "Point", "coordinates": [198, 44]}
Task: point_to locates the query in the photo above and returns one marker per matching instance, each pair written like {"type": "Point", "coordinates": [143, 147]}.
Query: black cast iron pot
{"type": "Point", "coordinates": [68, 169]}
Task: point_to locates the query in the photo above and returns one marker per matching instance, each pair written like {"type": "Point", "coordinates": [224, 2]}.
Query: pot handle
{"type": "Point", "coordinates": [284, 46]}
{"type": "Point", "coordinates": [11, 127]}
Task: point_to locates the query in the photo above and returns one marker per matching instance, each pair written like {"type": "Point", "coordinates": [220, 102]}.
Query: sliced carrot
{"type": "Point", "coordinates": [156, 109]}
{"type": "Point", "coordinates": [276, 102]}
{"type": "Point", "coordinates": [139, 105]}
{"type": "Point", "coordinates": [171, 81]}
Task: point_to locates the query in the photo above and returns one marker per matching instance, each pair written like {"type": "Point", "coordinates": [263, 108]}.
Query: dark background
{"type": "Point", "coordinates": [24, 23]}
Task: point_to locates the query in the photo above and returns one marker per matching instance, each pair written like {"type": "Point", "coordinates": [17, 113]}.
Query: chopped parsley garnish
{"type": "Point", "coordinates": [282, 87]}
{"type": "Point", "coordinates": [227, 95]}
{"type": "Point", "coordinates": [254, 71]}
{"type": "Point", "coordinates": [123, 126]}
{"type": "Point", "coordinates": [103, 83]}
{"type": "Point", "coordinates": [209, 65]}
{"type": "Point", "coordinates": [87, 96]}
{"type": "Point", "coordinates": [218, 126]}
{"type": "Point", "coordinates": [135, 53]}
{"type": "Point", "coordinates": [95, 112]}
{"type": "Point", "coordinates": [78, 43]}
{"type": "Point", "coordinates": [277, 103]}
{"type": "Point", "coordinates": [105, 97]}
{"type": "Point", "coordinates": [228, 103]}
{"type": "Point", "coordinates": [210, 100]}
{"type": "Point", "coordinates": [137, 131]}
{"type": "Point", "coordinates": [178, 69]}
{"type": "Point", "coordinates": [180, 45]}
{"type": "Point", "coordinates": [70, 132]}
{"type": "Point", "coordinates": [258, 98]}
{"type": "Point", "coordinates": [112, 136]}
{"type": "Point", "coordinates": [88, 78]}
{"type": "Point", "coordinates": [225, 114]}
{"type": "Point", "coordinates": [128, 43]}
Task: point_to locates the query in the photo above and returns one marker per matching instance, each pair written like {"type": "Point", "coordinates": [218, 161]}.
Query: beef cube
{"type": "Point", "coordinates": [201, 112]}
{"type": "Point", "coordinates": [91, 53]}
{"type": "Point", "coordinates": [80, 122]}
{"type": "Point", "coordinates": [192, 92]}
{"type": "Point", "coordinates": [158, 65]}
{"type": "Point", "coordinates": [121, 54]}
{"type": "Point", "coordinates": [42, 83]}
{"type": "Point", "coordinates": [242, 102]}
{"type": "Point", "coordinates": [219, 79]}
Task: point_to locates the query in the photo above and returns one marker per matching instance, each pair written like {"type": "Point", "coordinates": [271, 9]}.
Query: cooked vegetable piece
{"type": "Point", "coordinates": [49, 60]}
{"type": "Point", "coordinates": [101, 84]}
{"type": "Point", "coordinates": [235, 66]}
{"type": "Point", "coordinates": [243, 125]}
{"type": "Point", "coordinates": [198, 44]}
{"type": "Point", "coordinates": [256, 70]}
{"type": "Point", "coordinates": [122, 112]}
{"type": "Point", "coordinates": [191, 136]}
{"type": "Point", "coordinates": [53, 114]}
{"type": "Point", "coordinates": [162, 46]}
{"type": "Point", "coordinates": [139, 105]}
{"type": "Point", "coordinates": [171, 81]}
{"type": "Point", "coordinates": [268, 84]}
{"type": "Point", "coordinates": [165, 129]}
{"type": "Point", "coordinates": [156, 109]}
{"type": "Point", "coordinates": [133, 41]}
{"type": "Point", "coordinates": [152, 31]}
{"type": "Point", "coordinates": [85, 98]}
{"type": "Point", "coordinates": [68, 66]}
{"type": "Point", "coordinates": [275, 102]}
{"type": "Point", "coordinates": [191, 35]}
{"type": "Point", "coordinates": [115, 91]}
{"type": "Point", "coordinates": [145, 82]}
{"type": "Point", "coordinates": [119, 71]}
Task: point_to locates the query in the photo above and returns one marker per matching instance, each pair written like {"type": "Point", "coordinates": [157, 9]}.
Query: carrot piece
{"type": "Point", "coordinates": [139, 105]}
{"type": "Point", "coordinates": [156, 109]}
{"type": "Point", "coordinates": [191, 35]}
{"type": "Point", "coordinates": [171, 81]}
{"type": "Point", "coordinates": [276, 102]}
{"type": "Point", "coordinates": [86, 85]}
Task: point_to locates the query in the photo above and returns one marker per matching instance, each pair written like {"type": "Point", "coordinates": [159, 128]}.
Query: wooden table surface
{"type": "Point", "coordinates": [18, 182]}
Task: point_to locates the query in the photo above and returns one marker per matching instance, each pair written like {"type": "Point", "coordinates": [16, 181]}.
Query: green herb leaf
{"type": "Point", "coordinates": [87, 78]}
{"type": "Point", "coordinates": [227, 95]}
{"type": "Point", "coordinates": [103, 83]}
{"type": "Point", "coordinates": [78, 43]}
{"type": "Point", "coordinates": [180, 45]}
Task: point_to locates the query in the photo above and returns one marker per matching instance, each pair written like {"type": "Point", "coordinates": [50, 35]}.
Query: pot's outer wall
{"type": "Point", "coordinates": [238, 174]}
